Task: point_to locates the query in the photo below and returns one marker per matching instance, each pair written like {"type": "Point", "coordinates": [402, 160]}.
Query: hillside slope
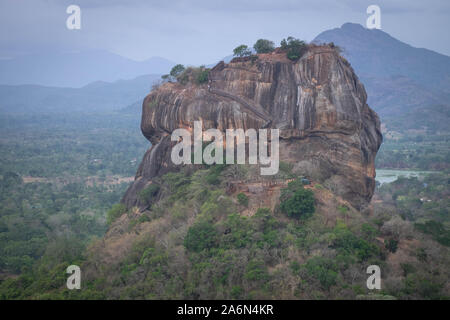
{"type": "Point", "coordinates": [97, 96]}
{"type": "Point", "coordinates": [76, 69]}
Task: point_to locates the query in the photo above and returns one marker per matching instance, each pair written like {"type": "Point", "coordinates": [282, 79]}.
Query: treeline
{"type": "Point", "coordinates": [60, 208]}
{"type": "Point", "coordinates": [75, 144]}
{"type": "Point", "coordinates": [415, 152]}
{"type": "Point", "coordinates": [36, 215]}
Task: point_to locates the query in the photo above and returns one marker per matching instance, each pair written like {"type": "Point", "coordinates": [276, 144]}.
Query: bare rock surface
{"type": "Point", "coordinates": [327, 131]}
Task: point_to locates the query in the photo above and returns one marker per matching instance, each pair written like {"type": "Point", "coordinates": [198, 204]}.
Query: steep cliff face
{"type": "Point", "coordinates": [327, 131]}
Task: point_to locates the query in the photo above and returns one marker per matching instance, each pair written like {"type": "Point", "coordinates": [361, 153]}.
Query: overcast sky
{"type": "Point", "coordinates": [203, 31]}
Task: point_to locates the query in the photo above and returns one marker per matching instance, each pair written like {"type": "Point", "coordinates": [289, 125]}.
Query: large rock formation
{"type": "Point", "coordinates": [327, 130]}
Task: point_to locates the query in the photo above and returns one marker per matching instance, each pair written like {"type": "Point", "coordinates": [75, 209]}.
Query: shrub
{"type": "Point", "coordinates": [256, 271]}
{"type": "Point", "coordinates": [143, 218]}
{"type": "Point", "coordinates": [263, 212]}
{"type": "Point", "coordinates": [348, 243]}
{"type": "Point", "coordinates": [242, 199]}
{"type": "Point", "coordinates": [154, 259]}
{"type": "Point", "coordinates": [198, 75]}
{"type": "Point", "coordinates": [436, 229]}
{"type": "Point", "coordinates": [297, 201]}
{"type": "Point", "coordinates": [407, 268]}
{"type": "Point", "coordinates": [200, 236]}
{"type": "Point", "coordinates": [147, 194]}
{"type": "Point", "coordinates": [319, 186]}
{"type": "Point", "coordinates": [203, 76]}
{"type": "Point", "coordinates": [391, 245]}
{"type": "Point", "coordinates": [295, 267]}
{"type": "Point", "coordinates": [368, 231]}
{"type": "Point", "coordinates": [422, 285]}
{"type": "Point", "coordinates": [239, 232]}
{"type": "Point", "coordinates": [294, 185]}
{"type": "Point", "coordinates": [322, 269]}
{"type": "Point", "coordinates": [177, 70]}
{"type": "Point", "coordinates": [236, 292]}
{"type": "Point", "coordinates": [286, 167]}
{"type": "Point", "coordinates": [421, 255]}
{"type": "Point", "coordinates": [294, 48]}
{"type": "Point", "coordinates": [397, 228]}
{"type": "Point", "coordinates": [183, 78]}
{"type": "Point", "coordinates": [213, 177]}
{"type": "Point", "coordinates": [242, 51]}
{"type": "Point", "coordinates": [264, 46]}
{"type": "Point", "coordinates": [343, 210]}
{"type": "Point", "coordinates": [116, 211]}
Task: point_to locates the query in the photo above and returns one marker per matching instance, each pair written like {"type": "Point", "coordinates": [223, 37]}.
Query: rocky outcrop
{"type": "Point", "coordinates": [327, 130]}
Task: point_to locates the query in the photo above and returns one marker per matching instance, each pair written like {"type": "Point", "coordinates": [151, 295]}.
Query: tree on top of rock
{"type": "Point", "coordinates": [264, 46]}
{"type": "Point", "coordinates": [242, 51]}
{"type": "Point", "coordinates": [177, 70]}
{"type": "Point", "coordinates": [295, 48]}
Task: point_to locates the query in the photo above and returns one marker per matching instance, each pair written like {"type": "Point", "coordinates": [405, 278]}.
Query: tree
{"type": "Point", "coordinates": [146, 195]}
{"type": "Point", "coordinates": [264, 46]}
{"type": "Point", "coordinates": [323, 269]}
{"type": "Point", "coordinates": [294, 48]}
{"type": "Point", "coordinates": [297, 201]}
{"type": "Point", "coordinates": [203, 75]}
{"type": "Point", "coordinates": [200, 236]}
{"type": "Point", "coordinates": [116, 211]}
{"type": "Point", "coordinates": [242, 51]}
{"type": "Point", "coordinates": [391, 245]}
{"type": "Point", "coordinates": [177, 70]}
{"type": "Point", "coordinates": [242, 199]}
{"type": "Point", "coordinates": [256, 270]}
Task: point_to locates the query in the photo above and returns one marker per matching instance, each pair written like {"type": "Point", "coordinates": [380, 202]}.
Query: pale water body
{"type": "Point", "coordinates": [388, 175]}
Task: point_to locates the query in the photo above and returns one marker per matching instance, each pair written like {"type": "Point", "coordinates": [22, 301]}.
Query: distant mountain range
{"type": "Point", "coordinates": [98, 96]}
{"type": "Point", "coordinates": [398, 78]}
{"type": "Point", "coordinates": [77, 69]}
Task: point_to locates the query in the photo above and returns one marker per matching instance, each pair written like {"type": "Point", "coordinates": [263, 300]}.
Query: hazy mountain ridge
{"type": "Point", "coordinates": [96, 96]}
{"type": "Point", "coordinates": [397, 76]}
{"type": "Point", "coordinates": [77, 69]}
